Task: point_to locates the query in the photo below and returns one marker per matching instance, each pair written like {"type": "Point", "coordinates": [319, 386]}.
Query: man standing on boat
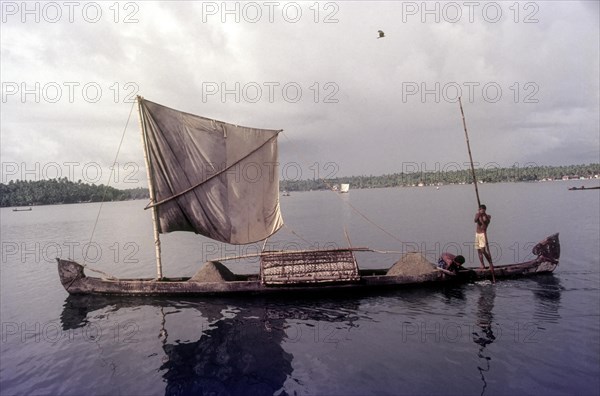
{"type": "Point", "coordinates": [482, 219]}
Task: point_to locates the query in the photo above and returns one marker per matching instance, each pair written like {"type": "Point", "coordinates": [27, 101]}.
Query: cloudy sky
{"type": "Point", "coordinates": [350, 103]}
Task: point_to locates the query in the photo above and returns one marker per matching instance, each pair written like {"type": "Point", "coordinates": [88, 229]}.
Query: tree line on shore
{"type": "Point", "coordinates": [450, 176]}
{"type": "Point", "coordinates": [63, 191]}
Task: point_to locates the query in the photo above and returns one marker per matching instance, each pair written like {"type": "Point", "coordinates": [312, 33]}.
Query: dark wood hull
{"type": "Point", "coordinates": [76, 282]}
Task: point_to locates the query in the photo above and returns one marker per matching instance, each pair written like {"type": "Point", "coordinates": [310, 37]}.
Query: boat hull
{"type": "Point", "coordinates": [75, 281]}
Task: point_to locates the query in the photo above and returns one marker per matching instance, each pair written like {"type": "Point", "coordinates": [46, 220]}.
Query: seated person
{"type": "Point", "coordinates": [450, 262]}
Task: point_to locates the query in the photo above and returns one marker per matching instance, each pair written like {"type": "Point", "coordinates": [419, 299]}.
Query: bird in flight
{"type": "Point", "coordinates": [381, 34]}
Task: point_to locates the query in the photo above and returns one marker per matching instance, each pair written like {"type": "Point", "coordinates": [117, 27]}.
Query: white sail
{"type": "Point", "coordinates": [344, 188]}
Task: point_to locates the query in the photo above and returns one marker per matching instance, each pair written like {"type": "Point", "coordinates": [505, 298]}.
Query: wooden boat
{"type": "Point", "coordinates": [76, 282]}
{"type": "Point", "coordinates": [193, 165]}
{"type": "Point", "coordinates": [22, 210]}
{"type": "Point", "coordinates": [584, 188]}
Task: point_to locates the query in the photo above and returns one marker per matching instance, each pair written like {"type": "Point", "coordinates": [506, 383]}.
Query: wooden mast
{"type": "Point", "coordinates": [469, 150]}
{"type": "Point", "coordinates": [151, 191]}
{"type": "Point", "coordinates": [487, 244]}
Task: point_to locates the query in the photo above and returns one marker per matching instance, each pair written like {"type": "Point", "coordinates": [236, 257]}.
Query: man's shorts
{"type": "Point", "coordinates": [479, 241]}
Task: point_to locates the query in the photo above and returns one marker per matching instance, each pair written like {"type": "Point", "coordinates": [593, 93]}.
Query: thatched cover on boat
{"type": "Point", "coordinates": [309, 267]}
{"type": "Point", "coordinates": [213, 271]}
{"type": "Point", "coordinates": [412, 263]}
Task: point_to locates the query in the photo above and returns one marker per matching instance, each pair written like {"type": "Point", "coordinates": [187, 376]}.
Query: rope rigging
{"type": "Point", "coordinates": [112, 169]}
{"type": "Point", "coordinates": [355, 209]}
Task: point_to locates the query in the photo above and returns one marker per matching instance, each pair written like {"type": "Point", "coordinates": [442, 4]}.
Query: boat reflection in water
{"type": "Point", "coordinates": [239, 353]}
{"type": "Point", "coordinates": [546, 291]}
{"type": "Point", "coordinates": [227, 346]}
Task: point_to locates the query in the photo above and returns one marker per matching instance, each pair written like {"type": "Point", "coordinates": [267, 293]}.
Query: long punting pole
{"type": "Point", "coordinates": [475, 182]}
{"type": "Point", "coordinates": [151, 191]}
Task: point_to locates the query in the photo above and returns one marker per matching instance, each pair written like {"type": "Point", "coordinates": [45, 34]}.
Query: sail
{"type": "Point", "coordinates": [212, 178]}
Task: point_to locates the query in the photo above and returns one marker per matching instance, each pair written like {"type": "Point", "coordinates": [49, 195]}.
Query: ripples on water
{"type": "Point", "coordinates": [536, 336]}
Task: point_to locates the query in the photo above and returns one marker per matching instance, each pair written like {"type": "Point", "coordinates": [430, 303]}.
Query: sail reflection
{"type": "Point", "coordinates": [240, 355]}
{"type": "Point", "coordinates": [240, 351]}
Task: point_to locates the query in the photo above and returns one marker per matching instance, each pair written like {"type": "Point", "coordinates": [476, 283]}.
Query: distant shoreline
{"type": "Point", "coordinates": [459, 184]}
{"type": "Point", "coordinates": [439, 178]}
{"type": "Point", "coordinates": [21, 193]}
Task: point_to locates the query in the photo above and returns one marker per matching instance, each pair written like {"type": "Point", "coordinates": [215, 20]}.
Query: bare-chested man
{"type": "Point", "coordinates": [450, 262]}
{"type": "Point", "coordinates": [482, 219]}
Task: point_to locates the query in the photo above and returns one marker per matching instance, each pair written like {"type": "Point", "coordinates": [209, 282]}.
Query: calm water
{"type": "Point", "coordinates": [530, 336]}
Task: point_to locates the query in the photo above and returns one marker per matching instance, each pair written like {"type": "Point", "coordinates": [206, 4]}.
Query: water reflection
{"type": "Point", "coordinates": [546, 290]}
{"type": "Point", "coordinates": [77, 309]}
{"type": "Point", "coordinates": [453, 294]}
{"type": "Point", "coordinates": [240, 352]}
{"type": "Point", "coordinates": [240, 355]}
{"type": "Point", "coordinates": [547, 295]}
{"type": "Point", "coordinates": [484, 336]}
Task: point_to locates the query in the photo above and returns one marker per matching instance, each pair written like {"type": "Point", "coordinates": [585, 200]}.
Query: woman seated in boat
{"type": "Point", "coordinates": [450, 262]}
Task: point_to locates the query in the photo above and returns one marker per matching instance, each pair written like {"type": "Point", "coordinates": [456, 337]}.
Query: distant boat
{"type": "Point", "coordinates": [285, 193]}
{"type": "Point", "coordinates": [22, 210]}
{"type": "Point", "coordinates": [584, 188]}
{"type": "Point", "coordinates": [344, 188]}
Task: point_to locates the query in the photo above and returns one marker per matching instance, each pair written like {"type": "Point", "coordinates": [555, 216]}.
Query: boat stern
{"type": "Point", "coordinates": [548, 253]}
{"type": "Point", "coordinates": [549, 248]}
